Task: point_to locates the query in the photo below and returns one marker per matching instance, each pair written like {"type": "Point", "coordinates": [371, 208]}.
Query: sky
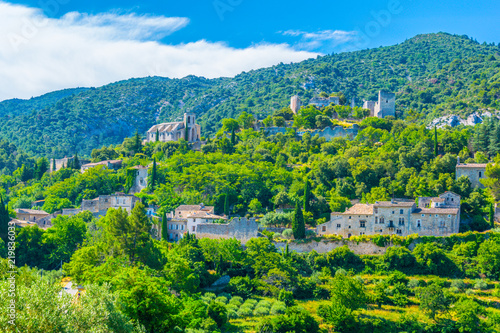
{"type": "Point", "coordinates": [47, 45]}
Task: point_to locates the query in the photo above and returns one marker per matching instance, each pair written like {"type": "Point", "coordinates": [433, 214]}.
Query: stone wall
{"type": "Point", "coordinates": [337, 132]}
{"type": "Point", "coordinates": [240, 228]}
{"type": "Point", "coordinates": [326, 246]}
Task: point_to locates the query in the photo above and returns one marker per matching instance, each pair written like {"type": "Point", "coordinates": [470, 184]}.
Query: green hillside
{"type": "Point", "coordinates": [432, 75]}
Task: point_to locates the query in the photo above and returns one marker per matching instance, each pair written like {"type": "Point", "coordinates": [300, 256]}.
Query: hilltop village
{"type": "Point", "coordinates": [425, 216]}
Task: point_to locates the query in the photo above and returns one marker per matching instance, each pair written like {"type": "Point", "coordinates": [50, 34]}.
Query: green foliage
{"type": "Point", "coordinates": [298, 224]}
{"type": "Point", "coordinates": [295, 319]}
{"type": "Point", "coordinates": [433, 300]}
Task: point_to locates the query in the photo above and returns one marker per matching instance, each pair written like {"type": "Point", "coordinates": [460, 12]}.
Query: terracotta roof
{"type": "Point", "coordinates": [438, 199]}
{"type": "Point", "coordinates": [189, 208]}
{"type": "Point", "coordinates": [31, 211]}
{"type": "Point", "coordinates": [102, 163]}
{"type": "Point", "coordinates": [394, 203]}
{"type": "Point", "coordinates": [453, 211]}
{"type": "Point", "coordinates": [206, 216]}
{"type": "Point", "coordinates": [359, 209]}
{"type": "Point", "coordinates": [137, 167]}
{"type": "Point", "coordinates": [473, 165]}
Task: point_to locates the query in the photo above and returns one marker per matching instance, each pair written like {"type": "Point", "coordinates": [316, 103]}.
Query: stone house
{"type": "Point", "coordinates": [433, 217]}
{"type": "Point", "coordinates": [99, 206]}
{"type": "Point", "coordinates": [324, 101]}
{"type": "Point", "coordinates": [241, 229]}
{"type": "Point", "coordinates": [141, 179]}
{"type": "Point", "coordinates": [475, 172]}
{"type": "Point", "coordinates": [384, 107]}
{"type": "Point", "coordinates": [183, 211]}
{"type": "Point", "coordinates": [33, 216]}
{"type": "Point", "coordinates": [201, 217]}
{"type": "Point", "coordinates": [63, 162]}
{"type": "Point", "coordinates": [110, 164]}
{"type": "Point", "coordinates": [176, 130]}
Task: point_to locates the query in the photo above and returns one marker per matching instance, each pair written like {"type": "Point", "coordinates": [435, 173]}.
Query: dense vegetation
{"type": "Point", "coordinates": [432, 75]}
{"type": "Point", "coordinates": [137, 282]}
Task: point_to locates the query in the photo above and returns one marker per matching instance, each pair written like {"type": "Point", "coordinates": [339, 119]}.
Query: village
{"type": "Point", "coordinates": [425, 216]}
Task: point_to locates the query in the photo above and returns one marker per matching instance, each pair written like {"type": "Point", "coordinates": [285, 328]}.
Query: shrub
{"type": "Point", "coordinates": [218, 312]}
{"type": "Point", "coordinates": [287, 233]}
{"type": "Point", "coordinates": [261, 311]}
{"type": "Point", "coordinates": [245, 311]}
{"type": "Point", "coordinates": [208, 297]}
{"type": "Point", "coordinates": [413, 283]}
{"type": "Point", "coordinates": [221, 299]}
{"type": "Point", "coordinates": [232, 314]}
{"type": "Point", "coordinates": [458, 284]}
{"type": "Point", "coordinates": [278, 308]}
{"type": "Point", "coordinates": [480, 285]}
{"type": "Point", "coordinates": [236, 300]}
{"type": "Point", "coordinates": [294, 320]}
{"type": "Point", "coordinates": [286, 297]}
{"type": "Point", "coordinates": [400, 299]}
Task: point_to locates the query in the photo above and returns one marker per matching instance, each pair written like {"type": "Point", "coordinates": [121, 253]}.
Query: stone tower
{"type": "Point", "coordinates": [190, 123]}
{"type": "Point", "coordinates": [386, 105]}
{"type": "Point", "coordinates": [295, 104]}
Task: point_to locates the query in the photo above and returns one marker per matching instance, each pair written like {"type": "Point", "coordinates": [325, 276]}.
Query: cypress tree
{"type": "Point", "coordinates": [152, 183]}
{"type": "Point", "coordinates": [137, 143]}
{"type": "Point", "coordinates": [307, 196]}
{"type": "Point", "coordinates": [186, 133]}
{"type": "Point", "coordinates": [298, 225]}
{"type": "Point", "coordinates": [4, 219]}
{"type": "Point", "coordinates": [76, 162]}
{"type": "Point", "coordinates": [233, 137]}
{"type": "Point", "coordinates": [494, 146]}
{"type": "Point", "coordinates": [164, 227]}
{"type": "Point", "coordinates": [435, 141]}
{"type": "Point", "coordinates": [226, 204]}
{"type": "Point", "coordinates": [157, 138]}
{"type": "Point", "coordinates": [53, 165]}
{"type": "Point", "coordinates": [492, 216]}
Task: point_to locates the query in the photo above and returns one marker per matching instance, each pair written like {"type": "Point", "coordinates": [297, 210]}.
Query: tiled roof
{"type": "Point", "coordinates": [102, 163]}
{"type": "Point", "coordinates": [359, 209]}
{"type": "Point", "coordinates": [453, 211]}
{"type": "Point", "coordinates": [166, 127]}
{"type": "Point", "coordinates": [206, 216]}
{"type": "Point", "coordinates": [394, 203]}
{"type": "Point", "coordinates": [137, 167]}
{"type": "Point", "coordinates": [31, 211]}
{"type": "Point", "coordinates": [189, 208]}
{"type": "Point", "coordinates": [438, 199]}
{"type": "Point", "coordinates": [473, 165]}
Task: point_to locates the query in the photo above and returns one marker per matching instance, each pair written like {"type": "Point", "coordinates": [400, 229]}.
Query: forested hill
{"type": "Point", "coordinates": [432, 75]}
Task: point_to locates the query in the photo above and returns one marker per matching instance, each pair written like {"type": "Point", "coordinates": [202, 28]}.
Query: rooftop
{"type": "Point", "coordinates": [102, 163]}
{"type": "Point", "coordinates": [472, 165]}
{"type": "Point", "coordinates": [359, 209]}
{"type": "Point", "coordinates": [206, 216]}
{"type": "Point", "coordinates": [31, 211]}
{"type": "Point", "coordinates": [395, 203]}
{"type": "Point", "coordinates": [189, 208]}
{"type": "Point", "coordinates": [444, 211]}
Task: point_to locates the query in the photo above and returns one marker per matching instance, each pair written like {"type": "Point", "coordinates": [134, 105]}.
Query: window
{"type": "Point", "coordinates": [393, 212]}
{"type": "Point", "coordinates": [375, 210]}
{"type": "Point", "coordinates": [323, 228]}
{"type": "Point", "coordinates": [376, 219]}
{"type": "Point", "coordinates": [418, 223]}
{"type": "Point", "coordinates": [348, 235]}
{"type": "Point", "coordinates": [451, 199]}
{"type": "Point", "coordinates": [479, 174]}
{"type": "Point", "coordinates": [401, 211]}
{"type": "Point", "coordinates": [182, 227]}
{"type": "Point", "coordinates": [349, 227]}
{"type": "Point", "coordinates": [449, 215]}
{"type": "Point", "coordinates": [423, 215]}
{"type": "Point", "coordinates": [339, 226]}
{"type": "Point", "coordinates": [361, 233]}
{"type": "Point", "coordinates": [381, 220]}
{"type": "Point", "coordinates": [194, 228]}
{"type": "Point", "coordinates": [401, 221]}
{"type": "Point", "coordinates": [176, 227]}
{"type": "Point", "coordinates": [442, 224]}
{"type": "Point", "coordinates": [362, 224]}
{"type": "Point", "coordinates": [436, 215]}
{"type": "Point", "coordinates": [349, 217]}
{"type": "Point", "coordinates": [399, 232]}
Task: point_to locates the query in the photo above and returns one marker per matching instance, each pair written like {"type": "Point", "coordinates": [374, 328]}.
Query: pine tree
{"type": "Point", "coordinates": [157, 138]}
{"type": "Point", "coordinates": [4, 219]}
{"type": "Point", "coordinates": [492, 216]}
{"type": "Point", "coordinates": [152, 182]}
{"type": "Point", "coordinates": [164, 227]}
{"type": "Point", "coordinates": [307, 196]}
{"type": "Point", "coordinates": [298, 225]}
{"type": "Point", "coordinates": [435, 141]}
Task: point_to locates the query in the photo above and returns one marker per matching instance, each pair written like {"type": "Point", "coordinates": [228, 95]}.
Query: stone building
{"type": "Point", "coordinates": [475, 172]}
{"type": "Point", "coordinates": [241, 229]}
{"type": "Point", "coordinates": [141, 179]}
{"type": "Point", "coordinates": [110, 164]}
{"type": "Point", "coordinates": [336, 132]}
{"type": "Point", "coordinates": [63, 162]}
{"type": "Point", "coordinates": [321, 102]}
{"type": "Point", "coordinates": [99, 206]}
{"type": "Point", "coordinates": [183, 211]}
{"type": "Point", "coordinates": [176, 130]}
{"type": "Point", "coordinates": [433, 217]}
{"type": "Point", "coordinates": [295, 104]}
{"type": "Point", "coordinates": [177, 227]}
{"type": "Point", "coordinates": [384, 107]}
{"type": "Point", "coordinates": [33, 216]}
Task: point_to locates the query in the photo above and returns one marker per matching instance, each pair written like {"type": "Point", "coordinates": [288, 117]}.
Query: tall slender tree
{"type": "Point", "coordinates": [4, 219]}
{"type": "Point", "coordinates": [492, 216]}
{"type": "Point", "coordinates": [307, 195]}
{"type": "Point", "coordinates": [137, 143]}
{"type": "Point", "coordinates": [76, 162]}
{"type": "Point", "coordinates": [152, 181]}
{"type": "Point", "coordinates": [233, 137]}
{"type": "Point", "coordinates": [157, 138]}
{"type": "Point", "coordinates": [298, 225]}
{"type": "Point", "coordinates": [164, 227]}
{"type": "Point", "coordinates": [435, 141]}
{"type": "Point", "coordinates": [53, 165]}
{"type": "Point", "coordinates": [226, 204]}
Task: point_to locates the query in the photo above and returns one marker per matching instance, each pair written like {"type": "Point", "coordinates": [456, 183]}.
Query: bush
{"type": "Point", "coordinates": [287, 233]}
{"type": "Point", "coordinates": [232, 314]}
{"type": "Point", "coordinates": [221, 299]}
{"type": "Point", "coordinates": [278, 308]}
{"type": "Point", "coordinates": [458, 284]}
{"type": "Point", "coordinates": [480, 285]}
{"type": "Point", "coordinates": [208, 297]}
{"type": "Point", "coordinates": [218, 312]}
{"type": "Point", "coordinates": [413, 283]}
{"type": "Point", "coordinates": [236, 300]}
{"type": "Point", "coordinates": [245, 311]}
{"type": "Point", "coordinates": [261, 311]}
{"type": "Point", "coordinates": [286, 297]}
{"type": "Point", "coordinates": [295, 320]}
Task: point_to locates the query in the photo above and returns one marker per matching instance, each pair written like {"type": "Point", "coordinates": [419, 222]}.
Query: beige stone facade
{"type": "Point", "coordinates": [111, 164]}
{"type": "Point", "coordinates": [176, 130]}
{"type": "Point", "coordinates": [141, 179]}
{"type": "Point", "coordinates": [100, 205]}
{"type": "Point", "coordinates": [183, 211]}
{"type": "Point", "coordinates": [438, 217]}
{"type": "Point", "coordinates": [475, 172]}
{"type": "Point", "coordinates": [384, 107]}
{"type": "Point", "coordinates": [33, 216]}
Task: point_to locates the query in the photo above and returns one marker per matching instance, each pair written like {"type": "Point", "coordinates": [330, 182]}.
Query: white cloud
{"type": "Point", "coordinates": [325, 39]}
{"type": "Point", "coordinates": [40, 54]}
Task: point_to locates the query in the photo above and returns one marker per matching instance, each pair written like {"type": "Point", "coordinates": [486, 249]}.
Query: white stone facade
{"type": "Point", "coordinates": [176, 130]}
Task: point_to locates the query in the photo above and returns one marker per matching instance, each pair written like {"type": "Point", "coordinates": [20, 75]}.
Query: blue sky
{"type": "Point", "coordinates": [53, 44]}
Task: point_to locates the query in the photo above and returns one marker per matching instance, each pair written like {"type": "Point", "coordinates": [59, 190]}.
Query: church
{"type": "Point", "coordinates": [176, 130]}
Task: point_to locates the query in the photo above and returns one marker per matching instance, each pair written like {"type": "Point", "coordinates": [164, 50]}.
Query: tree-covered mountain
{"type": "Point", "coordinates": [431, 74]}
